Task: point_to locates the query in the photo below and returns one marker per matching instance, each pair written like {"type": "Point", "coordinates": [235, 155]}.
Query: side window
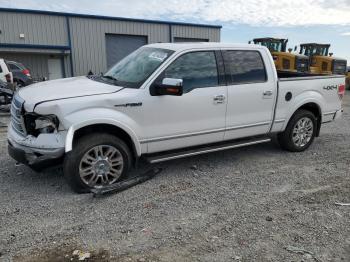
{"type": "Point", "coordinates": [245, 67]}
{"type": "Point", "coordinates": [196, 69]}
{"type": "Point", "coordinates": [13, 67]}
{"type": "Point", "coordinates": [0, 68]}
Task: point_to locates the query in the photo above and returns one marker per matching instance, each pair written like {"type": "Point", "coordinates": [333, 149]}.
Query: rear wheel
{"type": "Point", "coordinates": [300, 132]}
{"type": "Point", "coordinates": [97, 160]}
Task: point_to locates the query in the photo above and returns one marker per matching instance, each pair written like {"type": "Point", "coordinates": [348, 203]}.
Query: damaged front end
{"type": "Point", "coordinates": [33, 139]}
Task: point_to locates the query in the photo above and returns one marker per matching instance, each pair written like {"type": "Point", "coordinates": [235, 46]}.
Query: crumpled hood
{"type": "Point", "coordinates": [63, 89]}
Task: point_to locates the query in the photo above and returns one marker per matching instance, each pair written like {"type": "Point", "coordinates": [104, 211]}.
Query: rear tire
{"type": "Point", "coordinates": [96, 160]}
{"type": "Point", "coordinates": [300, 132]}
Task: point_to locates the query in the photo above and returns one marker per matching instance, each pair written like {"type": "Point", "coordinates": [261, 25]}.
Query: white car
{"type": "Point", "coordinates": [166, 101]}
{"type": "Point", "coordinates": [5, 73]}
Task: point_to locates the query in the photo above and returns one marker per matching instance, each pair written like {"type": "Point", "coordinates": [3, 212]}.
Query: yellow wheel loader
{"type": "Point", "coordinates": [285, 62]}
{"type": "Point", "coordinates": [321, 61]}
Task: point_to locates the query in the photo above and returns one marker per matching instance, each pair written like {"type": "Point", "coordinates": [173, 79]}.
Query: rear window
{"type": "Point", "coordinates": [244, 67]}
{"type": "Point", "coordinates": [12, 66]}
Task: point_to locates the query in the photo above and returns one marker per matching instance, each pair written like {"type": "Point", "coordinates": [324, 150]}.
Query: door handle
{"type": "Point", "coordinates": [219, 99]}
{"type": "Point", "coordinates": [267, 93]}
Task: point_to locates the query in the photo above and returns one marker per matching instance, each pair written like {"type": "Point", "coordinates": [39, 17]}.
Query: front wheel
{"type": "Point", "coordinates": [300, 132]}
{"type": "Point", "coordinates": [97, 160]}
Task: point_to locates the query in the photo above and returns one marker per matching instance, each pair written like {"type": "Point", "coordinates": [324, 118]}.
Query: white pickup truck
{"type": "Point", "coordinates": [5, 73]}
{"type": "Point", "coordinates": [166, 101]}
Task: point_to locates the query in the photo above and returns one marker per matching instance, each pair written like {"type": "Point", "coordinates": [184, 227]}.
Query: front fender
{"type": "Point", "coordinates": [90, 117]}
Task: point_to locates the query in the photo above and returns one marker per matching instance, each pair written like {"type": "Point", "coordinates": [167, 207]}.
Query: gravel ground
{"type": "Point", "coordinates": [251, 204]}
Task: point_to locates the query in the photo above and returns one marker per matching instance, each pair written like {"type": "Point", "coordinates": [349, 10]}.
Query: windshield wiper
{"type": "Point", "coordinates": [110, 77]}
{"type": "Point", "coordinates": [115, 80]}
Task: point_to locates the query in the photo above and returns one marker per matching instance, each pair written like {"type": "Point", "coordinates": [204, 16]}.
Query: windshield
{"type": "Point", "coordinates": [314, 50]}
{"type": "Point", "coordinates": [272, 46]}
{"type": "Point", "coordinates": [133, 70]}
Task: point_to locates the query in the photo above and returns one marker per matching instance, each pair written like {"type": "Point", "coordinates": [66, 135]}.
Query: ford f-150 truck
{"type": "Point", "coordinates": [166, 101]}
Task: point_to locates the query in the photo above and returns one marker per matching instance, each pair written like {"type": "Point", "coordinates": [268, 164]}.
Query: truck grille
{"type": "Point", "coordinates": [339, 67]}
{"type": "Point", "coordinates": [17, 121]}
{"type": "Point", "coordinates": [302, 64]}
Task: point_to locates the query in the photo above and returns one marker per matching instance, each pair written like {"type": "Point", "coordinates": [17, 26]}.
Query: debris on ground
{"type": "Point", "coordinates": [268, 218]}
{"type": "Point", "coordinates": [301, 251]}
{"type": "Point", "coordinates": [341, 204]}
{"type": "Point", "coordinates": [81, 255]}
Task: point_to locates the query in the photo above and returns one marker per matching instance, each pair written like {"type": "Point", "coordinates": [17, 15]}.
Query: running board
{"type": "Point", "coordinates": [203, 150]}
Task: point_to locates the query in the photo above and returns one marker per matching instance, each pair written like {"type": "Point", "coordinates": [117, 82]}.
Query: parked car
{"type": "Point", "coordinates": [21, 74]}
{"type": "Point", "coordinates": [5, 73]}
{"type": "Point", "coordinates": [167, 101]}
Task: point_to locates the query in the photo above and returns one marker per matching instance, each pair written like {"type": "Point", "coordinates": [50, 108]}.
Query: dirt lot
{"type": "Point", "coordinates": [252, 204]}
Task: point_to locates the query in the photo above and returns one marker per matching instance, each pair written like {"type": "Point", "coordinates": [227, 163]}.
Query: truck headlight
{"type": "Point", "coordinates": [46, 124]}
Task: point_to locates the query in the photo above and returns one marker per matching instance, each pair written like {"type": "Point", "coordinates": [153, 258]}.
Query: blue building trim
{"type": "Point", "coordinates": [70, 46]}
{"type": "Point", "coordinates": [34, 46]}
{"type": "Point", "coordinates": [29, 11]}
{"type": "Point", "coordinates": [170, 33]}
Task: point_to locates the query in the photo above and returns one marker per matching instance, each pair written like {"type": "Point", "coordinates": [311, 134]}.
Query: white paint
{"type": "Point", "coordinates": [55, 68]}
{"type": "Point", "coordinates": [169, 122]}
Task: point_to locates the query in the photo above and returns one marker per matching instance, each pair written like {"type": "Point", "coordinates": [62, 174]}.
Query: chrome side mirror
{"type": "Point", "coordinates": [169, 86]}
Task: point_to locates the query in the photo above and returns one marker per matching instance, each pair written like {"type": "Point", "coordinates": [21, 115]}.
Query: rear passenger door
{"type": "Point", "coordinates": [251, 93]}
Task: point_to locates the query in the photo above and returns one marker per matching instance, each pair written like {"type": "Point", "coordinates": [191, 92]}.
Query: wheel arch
{"type": "Point", "coordinates": [103, 126]}
{"type": "Point", "coordinates": [314, 108]}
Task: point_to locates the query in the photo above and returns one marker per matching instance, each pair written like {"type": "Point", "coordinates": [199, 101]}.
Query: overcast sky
{"type": "Point", "coordinates": [299, 20]}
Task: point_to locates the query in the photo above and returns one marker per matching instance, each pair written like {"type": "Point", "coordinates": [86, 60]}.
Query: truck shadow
{"type": "Point", "coordinates": [52, 179]}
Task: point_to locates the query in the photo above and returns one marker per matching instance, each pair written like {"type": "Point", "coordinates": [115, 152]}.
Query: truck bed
{"type": "Point", "coordinates": [301, 90]}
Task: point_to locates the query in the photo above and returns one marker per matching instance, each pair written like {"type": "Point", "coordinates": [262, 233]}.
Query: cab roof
{"type": "Point", "coordinates": [200, 45]}
{"type": "Point", "coordinates": [270, 39]}
{"type": "Point", "coordinates": [316, 44]}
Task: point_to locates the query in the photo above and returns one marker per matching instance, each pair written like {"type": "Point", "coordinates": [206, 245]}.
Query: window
{"type": "Point", "coordinates": [0, 69]}
{"type": "Point", "coordinates": [133, 70]}
{"type": "Point", "coordinates": [196, 69]}
{"type": "Point", "coordinates": [245, 67]}
{"type": "Point", "coordinates": [13, 67]}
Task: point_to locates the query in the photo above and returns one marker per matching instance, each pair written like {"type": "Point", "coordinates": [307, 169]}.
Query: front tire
{"type": "Point", "coordinates": [96, 160]}
{"type": "Point", "coordinates": [300, 132]}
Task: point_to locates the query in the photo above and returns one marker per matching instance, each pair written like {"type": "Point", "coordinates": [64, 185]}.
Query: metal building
{"type": "Point", "coordinates": [56, 45]}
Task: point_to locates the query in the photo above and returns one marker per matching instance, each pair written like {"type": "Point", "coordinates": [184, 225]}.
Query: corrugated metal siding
{"type": "Point", "coordinates": [88, 40]}
{"type": "Point", "coordinates": [119, 46]}
{"type": "Point", "coordinates": [36, 63]}
{"type": "Point", "coordinates": [38, 29]}
{"type": "Point", "coordinates": [87, 36]}
{"type": "Point", "coordinates": [211, 34]}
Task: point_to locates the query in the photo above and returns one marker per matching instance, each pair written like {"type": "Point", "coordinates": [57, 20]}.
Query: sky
{"type": "Point", "coordinates": [323, 21]}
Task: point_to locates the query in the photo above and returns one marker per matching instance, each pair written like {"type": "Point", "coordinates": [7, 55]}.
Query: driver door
{"type": "Point", "coordinates": [198, 116]}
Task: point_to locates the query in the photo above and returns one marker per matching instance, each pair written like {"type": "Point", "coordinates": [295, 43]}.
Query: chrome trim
{"type": "Point", "coordinates": [158, 139]}
{"type": "Point", "coordinates": [329, 113]}
{"type": "Point", "coordinates": [209, 151]}
{"type": "Point", "coordinates": [246, 126]}
{"type": "Point", "coordinates": [279, 121]}
{"type": "Point", "coordinates": [17, 121]}
{"type": "Point", "coordinates": [181, 136]}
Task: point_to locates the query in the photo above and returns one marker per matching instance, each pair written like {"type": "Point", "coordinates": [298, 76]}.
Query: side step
{"type": "Point", "coordinates": [206, 149]}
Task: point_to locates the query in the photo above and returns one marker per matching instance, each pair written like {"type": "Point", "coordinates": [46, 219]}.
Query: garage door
{"type": "Point", "coordinates": [119, 46]}
{"type": "Point", "coordinates": [183, 39]}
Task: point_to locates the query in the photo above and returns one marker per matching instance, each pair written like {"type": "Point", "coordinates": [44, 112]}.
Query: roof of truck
{"type": "Point", "coordinates": [199, 45]}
